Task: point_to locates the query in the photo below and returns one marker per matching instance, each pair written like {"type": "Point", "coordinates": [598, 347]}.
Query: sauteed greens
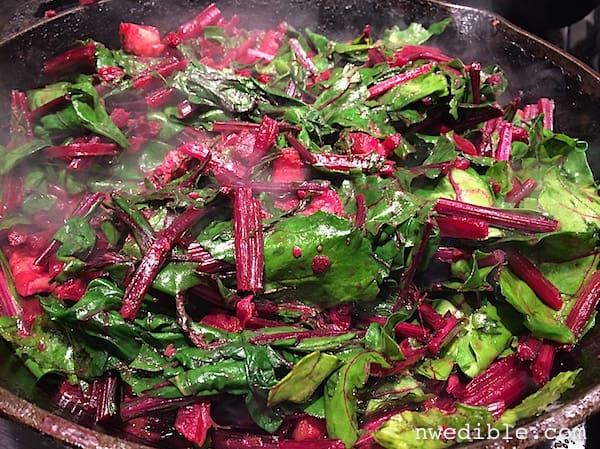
{"type": "Point", "coordinates": [271, 239]}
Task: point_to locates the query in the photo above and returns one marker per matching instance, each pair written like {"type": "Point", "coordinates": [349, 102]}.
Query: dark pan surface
{"type": "Point", "coordinates": [534, 69]}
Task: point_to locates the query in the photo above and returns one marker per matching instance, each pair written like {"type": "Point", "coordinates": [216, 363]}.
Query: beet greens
{"type": "Point", "coordinates": [265, 238]}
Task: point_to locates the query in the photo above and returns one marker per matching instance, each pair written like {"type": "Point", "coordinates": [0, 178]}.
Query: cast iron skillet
{"type": "Point", "coordinates": [534, 69]}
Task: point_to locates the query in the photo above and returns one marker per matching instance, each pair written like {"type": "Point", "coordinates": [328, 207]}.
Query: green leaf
{"type": "Point", "coordinates": [577, 208]}
{"type": "Point", "coordinates": [484, 340]}
{"type": "Point", "coordinates": [101, 295]}
{"type": "Point", "coordinates": [470, 187]}
{"type": "Point", "coordinates": [46, 94]}
{"type": "Point", "coordinates": [177, 277]}
{"type": "Point", "coordinates": [77, 239]}
{"type": "Point", "coordinates": [293, 277]}
{"type": "Point", "coordinates": [264, 416]}
{"type": "Point", "coordinates": [304, 379]}
{"type": "Point", "coordinates": [340, 396]}
{"type": "Point", "coordinates": [97, 318]}
{"type": "Point", "coordinates": [149, 359]}
{"type": "Point", "coordinates": [539, 318]}
{"type": "Point", "coordinates": [400, 96]}
{"type": "Point", "coordinates": [439, 368]}
{"type": "Point", "coordinates": [215, 89]}
{"type": "Point", "coordinates": [51, 348]}
{"type": "Point", "coordinates": [10, 159]}
{"type": "Point", "coordinates": [90, 110]}
{"type": "Point", "coordinates": [409, 430]}
{"type": "Point", "coordinates": [323, 343]}
{"type": "Point", "coordinates": [386, 202]}
{"type": "Point", "coordinates": [394, 392]}
{"type": "Point", "coordinates": [415, 34]}
{"type": "Point", "coordinates": [379, 340]}
{"type": "Point", "coordinates": [539, 401]}
{"type": "Point", "coordinates": [225, 376]}
{"type": "Point", "coordinates": [569, 277]}
{"type": "Point", "coordinates": [316, 407]}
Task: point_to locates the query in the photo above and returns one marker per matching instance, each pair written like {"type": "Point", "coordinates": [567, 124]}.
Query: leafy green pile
{"type": "Point", "coordinates": [349, 242]}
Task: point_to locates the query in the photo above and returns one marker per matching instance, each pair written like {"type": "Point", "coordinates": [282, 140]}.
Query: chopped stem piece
{"type": "Point", "coordinates": [300, 148]}
{"type": "Point", "coordinates": [249, 248]}
{"type": "Point", "coordinates": [462, 227]}
{"type": "Point", "coordinates": [515, 221]}
{"type": "Point", "coordinates": [521, 191]}
{"type": "Point", "coordinates": [393, 81]}
{"type": "Point", "coordinates": [475, 77]}
{"type": "Point", "coordinates": [532, 276]}
{"type": "Point", "coordinates": [584, 307]}
{"type": "Point", "coordinates": [302, 57]}
{"type": "Point", "coordinates": [154, 259]}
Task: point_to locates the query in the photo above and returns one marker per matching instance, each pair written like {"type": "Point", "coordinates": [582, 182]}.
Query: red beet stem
{"type": "Point", "coordinates": [343, 163]}
{"type": "Point", "coordinates": [144, 405]}
{"type": "Point", "coordinates": [207, 17]}
{"type": "Point", "coordinates": [248, 238]}
{"type": "Point", "coordinates": [532, 276]}
{"type": "Point", "coordinates": [546, 107]}
{"type": "Point", "coordinates": [521, 191]}
{"type": "Point", "coordinates": [464, 145]}
{"type": "Point", "coordinates": [234, 126]}
{"type": "Point", "coordinates": [302, 57]}
{"type": "Point", "coordinates": [412, 330]}
{"type": "Point", "coordinates": [431, 316]}
{"type": "Point", "coordinates": [506, 380]}
{"type": "Point", "coordinates": [79, 59]}
{"type": "Point", "coordinates": [396, 80]}
{"type": "Point", "coordinates": [154, 259]}
{"type": "Point", "coordinates": [300, 148]}
{"type": "Point", "coordinates": [9, 304]}
{"type": "Point", "coordinates": [88, 149]}
{"type": "Point", "coordinates": [498, 257]}
{"type": "Point", "coordinates": [185, 109]}
{"type": "Point", "coordinates": [475, 78]}
{"type": "Point", "coordinates": [530, 111]}
{"type": "Point", "coordinates": [104, 397]}
{"type": "Point", "coordinates": [444, 335]}
{"type": "Point", "coordinates": [376, 56]}
{"type": "Point", "coordinates": [50, 107]}
{"type": "Point", "coordinates": [542, 365]}
{"type": "Point", "coordinates": [462, 227]}
{"type": "Point", "coordinates": [497, 217]}
{"type": "Point", "coordinates": [528, 348]}
{"type": "Point", "coordinates": [159, 97]}
{"type": "Point", "coordinates": [504, 142]}
{"type": "Point", "coordinates": [585, 305]}
{"type": "Point", "coordinates": [410, 53]}
{"type": "Point", "coordinates": [451, 255]}
{"type": "Point", "coordinates": [265, 136]}
{"type": "Point", "coordinates": [485, 146]}
{"type": "Point", "coordinates": [361, 211]}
